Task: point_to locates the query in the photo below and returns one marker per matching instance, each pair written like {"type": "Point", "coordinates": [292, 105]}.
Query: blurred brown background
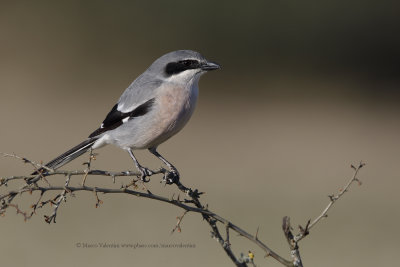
{"type": "Point", "coordinates": [307, 88]}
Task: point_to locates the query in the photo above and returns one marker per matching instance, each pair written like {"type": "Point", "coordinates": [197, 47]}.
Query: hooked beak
{"type": "Point", "coordinates": [207, 66]}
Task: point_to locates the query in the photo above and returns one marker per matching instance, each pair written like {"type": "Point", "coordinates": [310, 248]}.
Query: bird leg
{"type": "Point", "coordinates": [173, 175]}
{"type": "Point", "coordinates": [143, 171]}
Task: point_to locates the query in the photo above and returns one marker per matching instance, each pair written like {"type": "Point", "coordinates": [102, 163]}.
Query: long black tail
{"type": "Point", "coordinates": [70, 155]}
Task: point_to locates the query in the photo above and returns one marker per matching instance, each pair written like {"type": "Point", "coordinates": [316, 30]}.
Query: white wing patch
{"type": "Point", "coordinates": [121, 107]}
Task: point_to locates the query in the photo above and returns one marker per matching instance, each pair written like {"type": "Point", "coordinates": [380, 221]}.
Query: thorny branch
{"type": "Point", "coordinates": [178, 223]}
{"type": "Point", "coordinates": [293, 240]}
{"type": "Point", "coordinates": [193, 204]}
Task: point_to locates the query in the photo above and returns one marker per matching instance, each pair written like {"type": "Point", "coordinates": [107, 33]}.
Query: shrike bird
{"type": "Point", "coordinates": [152, 109]}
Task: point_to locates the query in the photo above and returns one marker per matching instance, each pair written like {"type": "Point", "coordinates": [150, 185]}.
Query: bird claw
{"type": "Point", "coordinates": [171, 177]}
{"type": "Point", "coordinates": [145, 173]}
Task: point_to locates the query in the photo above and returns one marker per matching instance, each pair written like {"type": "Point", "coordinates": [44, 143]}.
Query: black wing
{"type": "Point", "coordinates": [115, 117]}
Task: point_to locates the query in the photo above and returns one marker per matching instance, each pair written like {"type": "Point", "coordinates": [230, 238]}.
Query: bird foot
{"type": "Point", "coordinates": [171, 177]}
{"type": "Point", "coordinates": [145, 172]}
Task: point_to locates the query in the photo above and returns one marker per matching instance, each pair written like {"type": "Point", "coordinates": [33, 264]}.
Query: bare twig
{"type": "Point", "coordinates": [192, 204]}
{"type": "Point", "coordinates": [178, 223]}
{"type": "Point", "coordinates": [294, 248]}
{"type": "Point", "coordinates": [98, 200]}
{"type": "Point", "coordinates": [209, 216]}
{"type": "Point", "coordinates": [35, 165]}
{"type": "Point", "coordinates": [227, 242]}
{"type": "Point", "coordinates": [333, 198]}
{"type": "Point", "coordinates": [19, 211]}
{"type": "Point", "coordinates": [88, 164]}
{"type": "Point", "coordinates": [293, 240]}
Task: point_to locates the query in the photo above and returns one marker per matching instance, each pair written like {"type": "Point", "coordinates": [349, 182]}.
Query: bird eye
{"type": "Point", "coordinates": [187, 62]}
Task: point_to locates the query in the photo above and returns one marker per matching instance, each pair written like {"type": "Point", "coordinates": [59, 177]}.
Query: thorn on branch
{"type": "Point", "coordinates": [178, 223]}
{"type": "Point", "coordinates": [98, 201]}
{"type": "Point", "coordinates": [56, 202]}
{"type": "Point", "coordinates": [48, 219]}
{"type": "Point", "coordinates": [256, 236]}
{"type": "Point", "coordinates": [304, 231]}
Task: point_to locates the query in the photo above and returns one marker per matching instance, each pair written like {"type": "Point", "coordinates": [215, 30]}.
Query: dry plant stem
{"type": "Point", "coordinates": [209, 216]}
{"type": "Point", "coordinates": [294, 248]}
{"type": "Point", "coordinates": [333, 198]}
{"type": "Point", "coordinates": [293, 240]}
{"type": "Point", "coordinates": [178, 223]}
{"type": "Point", "coordinates": [35, 165]}
{"type": "Point", "coordinates": [192, 204]}
{"type": "Point", "coordinates": [88, 164]}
